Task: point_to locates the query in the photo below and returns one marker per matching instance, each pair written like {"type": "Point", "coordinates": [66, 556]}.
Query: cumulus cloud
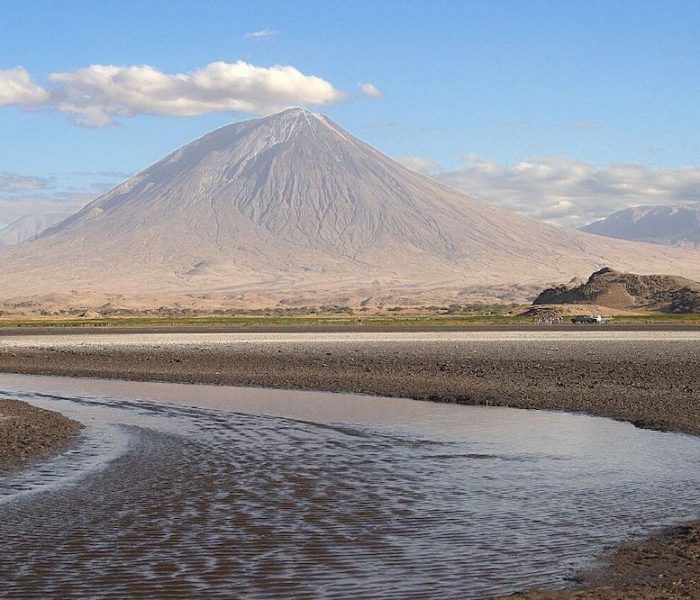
{"type": "Point", "coordinates": [112, 174]}
{"type": "Point", "coordinates": [263, 34]}
{"type": "Point", "coordinates": [371, 91]}
{"type": "Point", "coordinates": [11, 183]}
{"type": "Point", "coordinates": [425, 166]}
{"type": "Point", "coordinates": [17, 87]}
{"type": "Point", "coordinates": [566, 191]}
{"type": "Point", "coordinates": [22, 195]}
{"type": "Point", "coordinates": [97, 95]}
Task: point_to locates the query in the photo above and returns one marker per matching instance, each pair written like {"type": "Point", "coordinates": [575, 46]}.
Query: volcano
{"type": "Point", "coordinates": [291, 208]}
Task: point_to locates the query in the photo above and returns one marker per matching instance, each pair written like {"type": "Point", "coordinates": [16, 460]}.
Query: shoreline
{"type": "Point", "coordinates": [30, 434]}
{"type": "Point", "coordinates": [652, 385]}
{"type": "Point", "coordinates": [55, 329]}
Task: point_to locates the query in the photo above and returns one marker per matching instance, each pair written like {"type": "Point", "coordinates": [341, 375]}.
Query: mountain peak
{"type": "Point", "coordinates": [295, 111]}
{"type": "Point", "coordinates": [295, 121]}
{"type": "Point", "coordinates": [292, 201]}
{"type": "Point", "coordinates": [293, 114]}
{"type": "Point", "coordinates": [676, 225]}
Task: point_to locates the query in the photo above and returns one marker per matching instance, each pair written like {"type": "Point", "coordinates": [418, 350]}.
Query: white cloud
{"type": "Point", "coordinates": [22, 195]}
{"type": "Point", "coordinates": [97, 95]}
{"type": "Point", "coordinates": [263, 34]}
{"type": "Point", "coordinates": [421, 165]}
{"type": "Point", "coordinates": [109, 174]}
{"type": "Point", "coordinates": [11, 183]}
{"type": "Point", "coordinates": [587, 125]}
{"type": "Point", "coordinates": [371, 91]}
{"type": "Point", "coordinates": [571, 192]}
{"type": "Point", "coordinates": [17, 87]}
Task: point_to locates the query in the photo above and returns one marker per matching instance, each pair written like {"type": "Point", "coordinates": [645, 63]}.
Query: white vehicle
{"type": "Point", "coordinates": [591, 320]}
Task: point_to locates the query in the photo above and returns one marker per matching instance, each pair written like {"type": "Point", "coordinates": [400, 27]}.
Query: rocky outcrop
{"type": "Point", "coordinates": [614, 289]}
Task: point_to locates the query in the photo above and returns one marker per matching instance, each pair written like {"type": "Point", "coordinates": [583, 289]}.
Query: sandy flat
{"type": "Point", "coordinates": [185, 340]}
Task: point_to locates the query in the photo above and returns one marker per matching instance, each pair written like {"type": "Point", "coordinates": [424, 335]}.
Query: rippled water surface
{"type": "Point", "coordinates": [190, 491]}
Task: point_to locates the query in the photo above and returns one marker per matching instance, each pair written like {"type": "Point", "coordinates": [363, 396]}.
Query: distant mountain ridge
{"type": "Point", "coordinates": [28, 227]}
{"type": "Point", "coordinates": [671, 225]}
{"type": "Point", "coordinates": [614, 289]}
{"type": "Point", "coordinates": [293, 209]}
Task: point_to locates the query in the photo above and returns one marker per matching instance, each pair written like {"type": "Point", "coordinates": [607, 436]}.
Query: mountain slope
{"type": "Point", "coordinates": [672, 225]}
{"type": "Point", "coordinates": [28, 227]}
{"type": "Point", "coordinates": [292, 208]}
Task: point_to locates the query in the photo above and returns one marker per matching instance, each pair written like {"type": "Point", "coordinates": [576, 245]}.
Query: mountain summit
{"type": "Point", "coordinates": [293, 208]}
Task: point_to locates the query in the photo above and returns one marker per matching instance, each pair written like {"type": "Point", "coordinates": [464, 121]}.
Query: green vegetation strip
{"type": "Point", "coordinates": [262, 321]}
{"type": "Point", "coordinates": [321, 321]}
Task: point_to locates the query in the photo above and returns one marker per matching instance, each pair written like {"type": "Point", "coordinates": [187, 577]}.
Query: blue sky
{"type": "Point", "coordinates": [589, 85]}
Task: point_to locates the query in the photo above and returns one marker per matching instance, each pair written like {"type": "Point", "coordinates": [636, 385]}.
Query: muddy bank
{"type": "Point", "coordinates": [666, 566]}
{"type": "Point", "coordinates": [650, 381]}
{"type": "Point", "coordinates": [28, 433]}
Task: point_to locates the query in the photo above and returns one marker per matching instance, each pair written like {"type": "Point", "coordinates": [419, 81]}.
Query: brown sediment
{"type": "Point", "coordinates": [649, 382]}
{"type": "Point", "coordinates": [28, 433]}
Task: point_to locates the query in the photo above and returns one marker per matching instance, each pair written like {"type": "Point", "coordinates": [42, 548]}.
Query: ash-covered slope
{"type": "Point", "coordinates": [672, 225]}
{"type": "Point", "coordinates": [288, 205]}
{"type": "Point", "coordinates": [614, 289]}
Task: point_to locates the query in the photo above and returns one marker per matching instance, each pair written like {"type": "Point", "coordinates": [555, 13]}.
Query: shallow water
{"type": "Point", "coordinates": [180, 490]}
